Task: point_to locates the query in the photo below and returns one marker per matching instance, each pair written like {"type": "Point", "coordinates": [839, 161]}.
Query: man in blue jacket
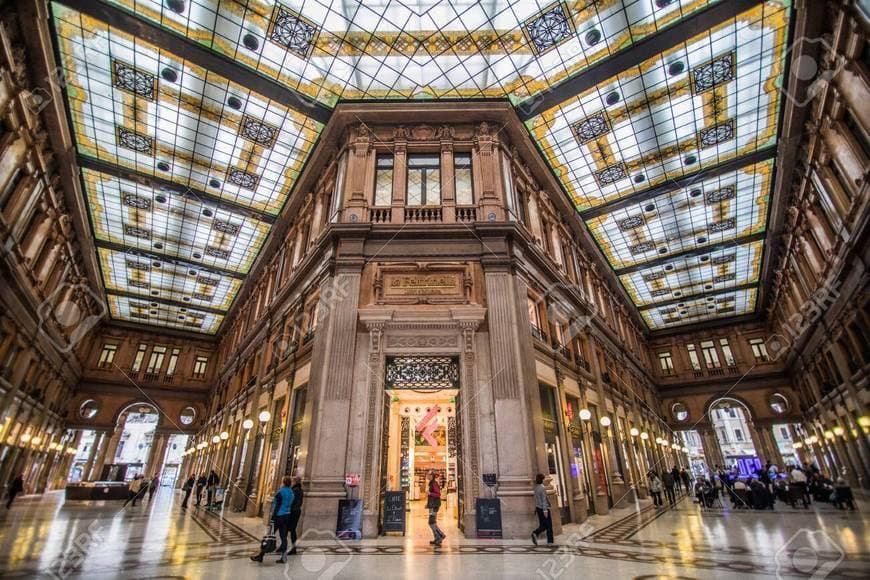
{"type": "Point", "coordinates": [281, 505]}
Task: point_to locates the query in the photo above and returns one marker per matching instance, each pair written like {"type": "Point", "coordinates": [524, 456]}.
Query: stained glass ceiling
{"type": "Point", "coordinates": [668, 158]}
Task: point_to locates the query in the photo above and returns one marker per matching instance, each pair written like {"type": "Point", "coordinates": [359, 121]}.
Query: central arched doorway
{"type": "Point", "coordinates": [131, 455]}
{"type": "Point", "coordinates": [731, 419]}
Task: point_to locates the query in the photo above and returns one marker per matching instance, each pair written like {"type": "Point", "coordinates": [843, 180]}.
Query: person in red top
{"type": "Point", "coordinates": [433, 504]}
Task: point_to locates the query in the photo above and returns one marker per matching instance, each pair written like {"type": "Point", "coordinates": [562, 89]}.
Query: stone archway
{"type": "Point", "coordinates": [731, 420]}
{"type": "Point", "coordinates": [132, 442]}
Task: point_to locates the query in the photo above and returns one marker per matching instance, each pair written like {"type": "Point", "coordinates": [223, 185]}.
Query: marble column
{"type": "Point", "coordinates": [92, 454]}
{"type": "Point", "coordinates": [107, 452]}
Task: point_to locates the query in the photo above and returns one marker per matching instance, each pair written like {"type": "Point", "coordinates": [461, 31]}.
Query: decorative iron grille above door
{"type": "Point", "coordinates": [422, 372]}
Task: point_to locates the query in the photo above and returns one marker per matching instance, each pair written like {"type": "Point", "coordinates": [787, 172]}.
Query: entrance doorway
{"type": "Point", "coordinates": [422, 440]}
{"type": "Point", "coordinates": [422, 436]}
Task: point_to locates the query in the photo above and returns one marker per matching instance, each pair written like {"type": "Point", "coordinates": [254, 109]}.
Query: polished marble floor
{"type": "Point", "coordinates": [45, 537]}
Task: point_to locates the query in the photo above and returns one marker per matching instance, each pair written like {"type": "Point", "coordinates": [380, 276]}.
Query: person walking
{"type": "Point", "coordinates": [200, 485]}
{"type": "Point", "coordinates": [295, 511]}
{"type": "Point", "coordinates": [187, 488]}
{"type": "Point", "coordinates": [16, 486]}
{"type": "Point", "coordinates": [152, 487]}
{"type": "Point", "coordinates": [542, 509]}
{"type": "Point", "coordinates": [686, 479]}
{"type": "Point", "coordinates": [655, 489]}
{"type": "Point", "coordinates": [134, 490]}
{"type": "Point", "coordinates": [210, 486]}
{"type": "Point", "coordinates": [675, 473]}
{"type": "Point", "coordinates": [669, 482]}
{"type": "Point", "coordinates": [282, 504]}
{"type": "Point", "coordinates": [433, 504]}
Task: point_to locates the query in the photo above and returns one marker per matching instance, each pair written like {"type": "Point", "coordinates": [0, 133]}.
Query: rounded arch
{"type": "Point", "coordinates": [713, 401]}
{"type": "Point", "coordinates": [124, 407]}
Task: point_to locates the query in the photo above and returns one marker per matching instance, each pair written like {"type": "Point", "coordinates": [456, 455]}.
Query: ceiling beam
{"type": "Point", "coordinates": [697, 296]}
{"type": "Point", "coordinates": [166, 301]}
{"type": "Point", "coordinates": [201, 56]}
{"type": "Point", "coordinates": [682, 182]}
{"type": "Point", "coordinates": [692, 252]}
{"type": "Point", "coordinates": [637, 53]}
{"type": "Point", "coordinates": [163, 257]}
{"type": "Point", "coordinates": [158, 183]}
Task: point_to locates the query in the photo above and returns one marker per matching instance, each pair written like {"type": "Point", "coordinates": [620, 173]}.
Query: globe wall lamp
{"type": "Point", "coordinates": [25, 437]}
{"type": "Point", "coordinates": [634, 432]}
{"type": "Point", "coordinates": [247, 424]}
{"type": "Point", "coordinates": [264, 416]}
{"type": "Point", "coordinates": [605, 421]}
{"type": "Point", "coordinates": [644, 435]}
{"type": "Point", "coordinates": [839, 431]}
{"type": "Point", "coordinates": [585, 414]}
{"type": "Point", "coordinates": [798, 445]}
{"type": "Point", "coordinates": [216, 439]}
{"type": "Point", "coordinates": [224, 435]}
{"type": "Point", "coordinates": [864, 421]}
{"type": "Point", "coordinates": [829, 434]}
{"type": "Point", "coordinates": [35, 441]}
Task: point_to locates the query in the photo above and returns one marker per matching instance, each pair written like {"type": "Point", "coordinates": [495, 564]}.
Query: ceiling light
{"type": "Point", "coordinates": [250, 41]}
{"type": "Point", "coordinates": [167, 74]}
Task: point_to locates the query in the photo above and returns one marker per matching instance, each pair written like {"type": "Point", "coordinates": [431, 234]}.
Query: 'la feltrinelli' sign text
{"type": "Point", "coordinates": [421, 284]}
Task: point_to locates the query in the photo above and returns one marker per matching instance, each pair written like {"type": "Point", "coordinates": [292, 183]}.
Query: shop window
{"type": "Point", "coordinates": [693, 357]}
{"type": "Point", "coordinates": [199, 367]}
{"type": "Point", "coordinates": [462, 179]}
{"type": "Point", "coordinates": [424, 180]}
{"type": "Point", "coordinates": [726, 352]}
{"type": "Point", "coordinates": [107, 356]}
{"type": "Point", "coordinates": [711, 357]}
{"type": "Point", "coordinates": [666, 363]}
{"type": "Point", "coordinates": [140, 356]}
{"type": "Point", "coordinates": [384, 180]}
{"type": "Point", "coordinates": [759, 349]}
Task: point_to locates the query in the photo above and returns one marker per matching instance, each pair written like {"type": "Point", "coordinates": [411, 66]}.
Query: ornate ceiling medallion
{"type": "Point", "coordinates": [242, 178]}
{"type": "Point", "coordinates": [136, 201]}
{"type": "Point", "coordinates": [711, 74]}
{"type": "Point", "coordinates": [293, 31]}
{"type": "Point", "coordinates": [610, 175]}
{"type": "Point", "coordinates": [722, 225]}
{"type": "Point", "coordinates": [132, 80]}
{"type": "Point", "coordinates": [138, 142]}
{"type": "Point", "coordinates": [258, 131]}
{"type": "Point", "coordinates": [226, 227]}
{"type": "Point", "coordinates": [591, 128]}
{"type": "Point", "coordinates": [630, 223]}
{"type": "Point", "coordinates": [217, 252]}
{"type": "Point", "coordinates": [549, 28]}
{"type": "Point", "coordinates": [135, 232]}
{"type": "Point", "coordinates": [720, 194]}
{"type": "Point", "coordinates": [716, 134]}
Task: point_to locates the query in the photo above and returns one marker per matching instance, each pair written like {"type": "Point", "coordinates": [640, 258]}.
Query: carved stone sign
{"type": "Point", "coordinates": [443, 283]}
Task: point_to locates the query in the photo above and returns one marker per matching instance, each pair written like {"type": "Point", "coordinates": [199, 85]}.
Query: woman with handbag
{"type": "Point", "coordinates": [433, 504]}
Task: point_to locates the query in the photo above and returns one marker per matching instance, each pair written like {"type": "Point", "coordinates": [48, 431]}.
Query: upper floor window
{"type": "Point", "coordinates": [199, 366]}
{"type": "Point", "coordinates": [140, 356]}
{"type": "Point", "coordinates": [107, 356]}
{"type": "Point", "coordinates": [156, 361]}
{"type": "Point", "coordinates": [666, 363]}
{"type": "Point", "coordinates": [173, 361]}
{"type": "Point", "coordinates": [711, 357]}
{"type": "Point", "coordinates": [693, 357]}
{"type": "Point", "coordinates": [759, 349]}
{"type": "Point", "coordinates": [534, 314]}
{"type": "Point", "coordinates": [783, 432]}
{"type": "Point", "coordinates": [462, 179]}
{"type": "Point", "coordinates": [424, 180]}
{"type": "Point", "coordinates": [726, 352]}
{"type": "Point", "coordinates": [384, 180]}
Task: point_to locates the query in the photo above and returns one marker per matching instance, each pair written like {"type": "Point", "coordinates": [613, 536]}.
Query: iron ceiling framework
{"type": "Point", "coordinates": [192, 120]}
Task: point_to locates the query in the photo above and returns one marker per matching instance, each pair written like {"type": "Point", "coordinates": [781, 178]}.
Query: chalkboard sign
{"type": "Point", "coordinates": [394, 512]}
{"type": "Point", "coordinates": [488, 518]}
{"type": "Point", "coordinates": [349, 525]}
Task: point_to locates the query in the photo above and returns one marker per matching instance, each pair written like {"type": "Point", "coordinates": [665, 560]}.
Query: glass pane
{"type": "Point", "coordinates": [433, 186]}
{"type": "Point", "coordinates": [464, 193]}
{"type": "Point", "coordinates": [415, 187]}
{"type": "Point", "coordinates": [384, 187]}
